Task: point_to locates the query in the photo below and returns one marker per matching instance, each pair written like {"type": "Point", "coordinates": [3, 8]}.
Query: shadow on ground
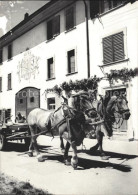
{"type": "Point", "coordinates": [50, 153]}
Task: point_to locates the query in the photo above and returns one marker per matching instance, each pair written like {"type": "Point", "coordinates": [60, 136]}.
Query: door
{"type": "Point", "coordinates": [26, 100]}
{"type": "Point", "coordinates": [122, 125]}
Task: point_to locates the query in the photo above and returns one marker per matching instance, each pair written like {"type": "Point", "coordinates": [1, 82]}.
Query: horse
{"type": "Point", "coordinates": [41, 121]}
{"type": "Point", "coordinates": [101, 115]}
{"type": "Point", "coordinates": [109, 109]}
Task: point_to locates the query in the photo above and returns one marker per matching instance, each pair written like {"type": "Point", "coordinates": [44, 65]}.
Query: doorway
{"type": "Point", "coordinates": [26, 100]}
{"type": "Point", "coordinates": [122, 125]}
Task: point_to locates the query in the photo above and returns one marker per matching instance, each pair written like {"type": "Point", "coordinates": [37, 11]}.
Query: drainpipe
{"type": "Point", "coordinates": [87, 38]}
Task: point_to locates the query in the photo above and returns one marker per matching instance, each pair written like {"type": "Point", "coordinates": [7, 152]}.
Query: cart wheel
{"type": "Point", "coordinates": [2, 141]}
{"type": "Point", "coordinates": [27, 142]}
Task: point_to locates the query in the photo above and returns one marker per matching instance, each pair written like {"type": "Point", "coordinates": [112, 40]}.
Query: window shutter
{"type": "Point", "coordinates": [56, 25]}
{"type": "Point", "coordinates": [118, 43]}
{"type": "Point", "coordinates": [94, 8]}
{"type": "Point", "coordinates": [107, 50]}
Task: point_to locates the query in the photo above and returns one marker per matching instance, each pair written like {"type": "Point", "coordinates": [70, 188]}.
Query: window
{"type": "Point", "coordinates": [71, 61]}
{"type": "Point", "coordinates": [53, 27]}
{"type": "Point", "coordinates": [1, 56]}
{"type": "Point", "coordinates": [50, 68]}
{"type": "Point", "coordinates": [51, 103]}
{"type": "Point", "coordinates": [113, 48]}
{"type": "Point", "coordinates": [9, 81]}
{"type": "Point", "coordinates": [9, 51]}
{"type": "Point", "coordinates": [21, 101]}
{"type": "Point", "coordinates": [106, 5]}
{"type": "Point", "coordinates": [70, 18]}
{"type": "Point", "coordinates": [31, 99]}
{"type": "Point", "coordinates": [0, 84]}
{"type": "Point", "coordinates": [7, 115]}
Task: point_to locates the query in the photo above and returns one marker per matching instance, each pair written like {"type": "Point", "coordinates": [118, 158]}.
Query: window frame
{"type": "Point", "coordinates": [74, 17]}
{"type": "Point", "coordinates": [49, 77]}
{"type": "Point", "coordinates": [54, 27]}
{"type": "Point", "coordinates": [1, 55]}
{"type": "Point", "coordinates": [51, 104]}
{"type": "Point", "coordinates": [75, 58]}
{"type": "Point", "coordinates": [9, 87]}
{"type": "Point", "coordinates": [124, 31]}
{"type": "Point", "coordinates": [10, 51]}
{"type": "Point", "coordinates": [111, 6]}
{"type": "Point", "coordinates": [0, 84]}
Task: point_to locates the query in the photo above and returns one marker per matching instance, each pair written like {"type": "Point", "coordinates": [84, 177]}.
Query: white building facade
{"type": "Point", "coordinates": [63, 41]}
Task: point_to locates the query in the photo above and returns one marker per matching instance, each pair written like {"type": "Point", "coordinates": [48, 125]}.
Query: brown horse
{"type": "Point", "coordinates": [105, 113]}
{"type": "Point", "coordinates": [43, 121]}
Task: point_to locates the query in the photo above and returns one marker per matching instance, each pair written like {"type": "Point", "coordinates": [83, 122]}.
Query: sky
{"type": "Point", "coordinates": [12, 12]}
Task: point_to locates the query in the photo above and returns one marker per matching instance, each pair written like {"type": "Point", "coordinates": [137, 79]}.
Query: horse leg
{"type": "Point", "coordinates": [33, 130]}
{"type": "Point", "coordinates": [99, 136]}
{"type": "Point", "coordinates": [66, 161]}
{"type": "Point", "coordinates": [74, 159]}
{"type": "Point", "coordinates": [62, 145]}
{"type": "Point", "coordinates": [30, 152]}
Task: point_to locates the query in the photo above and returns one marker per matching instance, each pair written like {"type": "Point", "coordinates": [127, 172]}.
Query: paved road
{"type": "Point", "coordinates": [118, 175]}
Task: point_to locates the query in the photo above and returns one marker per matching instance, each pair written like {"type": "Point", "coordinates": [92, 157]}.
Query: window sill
{"type": "Point", "coordinates": [50, 79]}
{"type": "Point", "coordinates": [9, 59]}
{"type": "Point", "coordinates": [114, 63]}
{"type": "Point", "coordinates": [70, 29]}
{"type": "Point", "coordinates": [0, 91]}
{"type": "Point", "coordinates": [50, 39]}
{"type": "Point", "coordinates": [9, 89]}
{"type": "Point", "coordinates": [1, 63]}
{"type": "Point", "coordinates": [71, 73]}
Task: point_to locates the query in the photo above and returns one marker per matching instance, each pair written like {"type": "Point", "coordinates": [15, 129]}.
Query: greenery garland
{"type": "Point", "coordinates": [124, 74]}
{"type": "Point", "coordinates": [92, 83]}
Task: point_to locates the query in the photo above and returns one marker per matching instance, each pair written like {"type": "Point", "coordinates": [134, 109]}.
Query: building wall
{"type": "Point", "coordinates": [123, 19]}
{"type": "Point", "coordinates": [40, 50]}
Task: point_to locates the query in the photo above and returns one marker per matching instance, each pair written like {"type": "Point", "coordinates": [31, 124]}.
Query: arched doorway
{"type": "Point", "coordinates": [26, 100]}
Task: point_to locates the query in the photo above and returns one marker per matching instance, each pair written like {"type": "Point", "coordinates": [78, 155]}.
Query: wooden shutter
{"type": "Point", "coordinates": [0, 84]}
{"type": "Point", "coordinates": [118, 46]}
{"type": "Point", "coordinates": [113, 48]}
{"type": "Point", "coordinates": [107, 50]}
{"type": "Point", "coordinates": [56, 25]}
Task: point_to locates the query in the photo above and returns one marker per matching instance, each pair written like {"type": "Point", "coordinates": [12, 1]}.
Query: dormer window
{"type": "Point", "coordinates": [53, 27]}
{"type": "Point", "coordinates": [9, 51]}
{"type": "Point", "coordinates": [1, 56]}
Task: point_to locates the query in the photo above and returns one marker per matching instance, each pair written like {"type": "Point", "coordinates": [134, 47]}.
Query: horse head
{"type": "Point", "coordinates": [118, 105]}
{"type": "Point", "coordinates": [84, 103]}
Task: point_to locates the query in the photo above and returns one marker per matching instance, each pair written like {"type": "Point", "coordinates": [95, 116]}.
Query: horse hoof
{"type": "Point", "coordinates": [74, 166]}
{"type": "Point", "coordinates": [62, 150]}
{"type": "Point", "coordinates": [67, 162]}
{"type": "Point", "coordinates": [74, 162]}
{"type": "Point", "coordinates": [103, 157]}
{"type": "Point", "coordinates": [30, 154]}
{"type": "Point", "coordinates": [40, 159]}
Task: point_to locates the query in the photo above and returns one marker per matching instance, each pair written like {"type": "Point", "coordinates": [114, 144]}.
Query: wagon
{"type": "Point", "coordinates": [10, 132]}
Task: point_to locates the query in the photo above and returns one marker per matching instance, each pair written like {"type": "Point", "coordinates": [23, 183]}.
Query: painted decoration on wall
{"type": "Point", "coordinates": [28, 67]}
